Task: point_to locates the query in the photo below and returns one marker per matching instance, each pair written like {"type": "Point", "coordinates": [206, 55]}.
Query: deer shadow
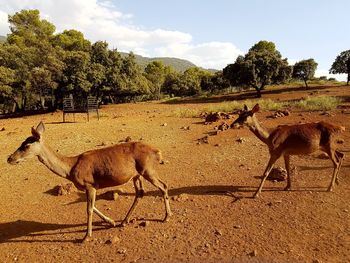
{"type": "Point", "coordinates": [14, 232]}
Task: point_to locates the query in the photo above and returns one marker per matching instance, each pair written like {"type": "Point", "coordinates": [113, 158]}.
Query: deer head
{"type": "Point", "coordinates": [30, 147]}
{"type": "Point", "coordinates": [245, 117]}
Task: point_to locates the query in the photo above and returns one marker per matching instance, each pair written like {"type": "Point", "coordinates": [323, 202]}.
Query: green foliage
{"type": "Point", "coordinates": [305, 70]}
{"type": "Point", "coordinates": [261, 66]}
{"type": "Point", "coordinates": [72, 40]}
{"type": "Point", "coordinates": [342, 65]}
{"type": "Point", "coordinates": [7, 78]}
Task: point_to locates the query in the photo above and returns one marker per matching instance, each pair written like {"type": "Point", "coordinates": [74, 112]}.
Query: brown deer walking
{"type": "Point", "coordinates": [100, 168]}
{"type": "Point", "coordinates": [299, 139]}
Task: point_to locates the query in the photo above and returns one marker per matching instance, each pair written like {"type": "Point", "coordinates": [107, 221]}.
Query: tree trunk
{"type": "Point", "coordinates": [258, 93]}
{"type": "Point", "coordinates": [306, 83]}
{"type": "Point", "coordinates": [347, 83]}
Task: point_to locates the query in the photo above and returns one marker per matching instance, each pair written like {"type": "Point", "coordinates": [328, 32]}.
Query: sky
{"type": "Point", "coordinates": [211, 34]}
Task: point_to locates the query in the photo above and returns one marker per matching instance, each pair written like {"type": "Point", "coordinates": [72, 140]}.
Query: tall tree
{"type": "Point", "coordinates": [30, 38]}
{"type": "Point", "coordinates": [156, 72]}
{"type": "Point", "coordinates": [342, 65]}
{"type": "Point", "coordinates": [261, 66]}
{"type": "Point", "coordinates": [305, 70]}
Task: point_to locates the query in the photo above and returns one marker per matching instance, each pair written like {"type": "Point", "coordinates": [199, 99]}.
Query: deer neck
{"type": "Point", "coordinates": [60, 165]}
{"type": "Point", "coordinates": [258, 130]}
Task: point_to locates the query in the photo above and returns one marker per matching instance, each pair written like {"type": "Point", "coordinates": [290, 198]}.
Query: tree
{"type": "Point", "coordinates": [76, 73]}
{"type": "Point", "coordinates": [156, 72]}
{"type": "Point", "coordinates": [261, 66]}
{"type": "Point", "coordinates": [305, 70]}
{"type": "Point", "coordinates": [7, 78]}
{"type": "Point", "coordinates": [72, 40]}
{"type": "Point", "coordinates": [342, 65]}
{"type": "Point", "coordinates": [29, 52]}
{"type": "Point", "coordinates": [132, 82]}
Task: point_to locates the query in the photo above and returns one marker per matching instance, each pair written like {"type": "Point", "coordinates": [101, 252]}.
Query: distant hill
{"type": "Point", "coordinates": [177, 63]}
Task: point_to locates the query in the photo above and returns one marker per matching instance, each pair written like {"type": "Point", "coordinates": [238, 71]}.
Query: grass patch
{"type": "Point", "coordinates": [185, 113]}
{"type": "Point", "coordinates": [318, 103]}
{"type": "Point", "coordinates": [267, 104]}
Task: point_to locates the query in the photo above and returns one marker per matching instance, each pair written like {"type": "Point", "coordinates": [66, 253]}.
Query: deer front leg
{"type": "Point", "coordinates": [151, 176]}
{"type": "Point", "coordinates": [90, 203]}
{"type": "Point", "coordinates": [287, 165]}
{"type": "Point", "coordinates": [138, 194]}
{"type": "Point", "coordinates": [266, 174]}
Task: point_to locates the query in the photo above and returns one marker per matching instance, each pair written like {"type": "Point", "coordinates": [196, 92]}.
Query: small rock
{"type": "Point", "coordinates": [164, 124]}
{"type": "Point", "coordinates": [254, 253]}
{"type": "Point", "coordinates": [144, 224]}
{"type": "Point", "coordinates": [2, 129]}
{"type": "Point", "coordinates": [111, 195]}
{"type": "Point", "coordinates": [113, 240]}
{"type": "Point", "coordinates": [237, 227]}
{"type": "Point", "coordinates": [181, 197]}
{"type": "Point", "coordinates": [218, 232]}
{"type": "Point", "coordinates": [223, 126]}
{"type": "Point", "coordinates": [128, 139]}
{"type": "Point", "coordinates": [64, 189]}
{"type": "Point", "coordinates": [212, 117]}
{"type": "Point", "coordinates": [121, 251]}
{"type": "Point", "coordinates": [240, 140]}
{"type": "Point", "coordinates": [204, 139]}
{"type": "Point", "coordinates": [278, 174]}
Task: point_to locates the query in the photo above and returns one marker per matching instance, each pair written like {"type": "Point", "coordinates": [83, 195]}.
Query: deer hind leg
{"type": "Point", "coordinates": [138, 194]}
{"type": "Point", "coordinates": [269, 166]}
{"type": "Point", "coordinates": [150, 176]}
{"type": "Point", "coordinates": [287, 165]}
{"type": "Point", "coordinates": [336, 158]}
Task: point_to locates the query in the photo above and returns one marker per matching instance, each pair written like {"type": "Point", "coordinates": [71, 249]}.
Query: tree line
{"type": "Point", "coordinates": [38, 67]}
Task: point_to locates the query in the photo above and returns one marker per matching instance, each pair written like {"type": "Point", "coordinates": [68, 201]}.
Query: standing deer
{"type": "Point", "coordinates": [299, 139]}
{"type": "Point", "coordinates": [95, 169]}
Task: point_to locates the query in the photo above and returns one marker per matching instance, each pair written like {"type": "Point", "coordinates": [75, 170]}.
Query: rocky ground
{"type": "Point", "coordinates": [211, 182]}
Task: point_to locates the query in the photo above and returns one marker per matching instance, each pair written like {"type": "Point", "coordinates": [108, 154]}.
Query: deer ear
{"type": "Point", "coordinates": [245, 108]}
{"type": "Point", "coordinates": [38, 131]}
{"type": "Point", "coordinates": [256, 108]}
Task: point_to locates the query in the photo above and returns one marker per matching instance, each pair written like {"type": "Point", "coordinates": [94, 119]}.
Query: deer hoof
{"type": "Point", "coordinates": [86, 239]}
{"type": "Point", "coordinates": [166, 219]}
{"type": "Point", "coordinates": [287, 188]}
{"type": "Point", "coordinates": [124, 223]}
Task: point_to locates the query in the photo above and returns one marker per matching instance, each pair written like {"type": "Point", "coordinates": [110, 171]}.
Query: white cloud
{"type": "Point", "coordinates": [100, 20]}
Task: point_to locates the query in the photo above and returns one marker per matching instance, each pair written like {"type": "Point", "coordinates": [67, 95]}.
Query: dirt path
{"type": "Point", "coordinates": [209, 223]}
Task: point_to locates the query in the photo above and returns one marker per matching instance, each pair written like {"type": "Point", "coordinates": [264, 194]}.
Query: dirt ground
{"type": "Point", "coordinates": [210, 186]}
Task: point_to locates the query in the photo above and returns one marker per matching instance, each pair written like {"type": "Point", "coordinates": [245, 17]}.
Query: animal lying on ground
{"type": "Point", "coordinates": [95, 169]}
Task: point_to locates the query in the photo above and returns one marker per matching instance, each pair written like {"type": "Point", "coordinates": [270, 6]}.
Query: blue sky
{"type": "Point", "coordinates": [209, 33]}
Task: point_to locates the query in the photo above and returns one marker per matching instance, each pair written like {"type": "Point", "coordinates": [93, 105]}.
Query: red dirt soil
{"type": "Point", "coordinates": [210, 186]}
